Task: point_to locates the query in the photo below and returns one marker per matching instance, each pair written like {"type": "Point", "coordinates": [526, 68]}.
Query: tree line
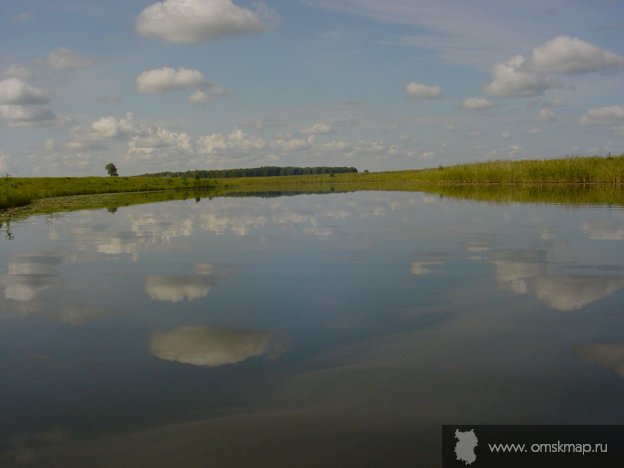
{"type": "Point", "coordinates": [264, 171]}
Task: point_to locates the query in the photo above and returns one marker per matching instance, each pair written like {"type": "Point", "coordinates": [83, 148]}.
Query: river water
{"type": "Point", "coordinates": [309, 330]}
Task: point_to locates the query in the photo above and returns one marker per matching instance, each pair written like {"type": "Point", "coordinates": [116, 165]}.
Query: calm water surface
{"type": "Point", "coordinates": [311, 330]}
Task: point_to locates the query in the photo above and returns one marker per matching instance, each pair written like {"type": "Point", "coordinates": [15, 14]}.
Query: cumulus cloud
{"type": "Point", "coordinates": [419, 90]}
{"type": "Point", "coordinates": [143, 138]}
{"type": "Point", "coordinates": [476, 103]}
{"type": "Point", "coordinates": [545, 115]}
{"type": "Point", "coordinates": [602, 115]}
{"type": "Point", "coordinates": [236, 142]}
{"type": "Point", "coordinates": [113, 128]}
{"type": "Point", "coordinates": [569, 55]}
{"type": "Point", "coordinates": [64, 59]}
{"type": "Point", "coordinates": [563, 55]}
{"type": "Point", "coordinates": [166, 79]}
{"type": "Point", "coordinates": [318, 129]}
{"type": "Point", "coordinates": [26, 116]}
{"type": "Point", "coordinates": [201, 345]}
{"type": "Point", "coordinates": [16, 71]}
{"type": "Point", "coordinates": [198, 97]}
{"type": "Point", "coordinates": [512, 79]}
{"type": "Point", "coordinates": [158, 139]}
{"type": "Point", "coordinates": [21, 105]}
{"type": "Point", "coordinates": [14, 91]}
{"type": "Point", "coordinates": [188, 21]}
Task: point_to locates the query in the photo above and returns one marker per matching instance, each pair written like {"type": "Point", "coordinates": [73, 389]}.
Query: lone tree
{"type": "Point", "coordinates": [112, 170]}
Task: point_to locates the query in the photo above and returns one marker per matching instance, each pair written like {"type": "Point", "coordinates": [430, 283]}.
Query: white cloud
{"type": "Point", "coordinates": [17, 71]}
{"type": "Point", "coordinates": [198, 97]}
{"type": "Point", "coordinates": [143, 138]}
{"type": "Point", "coordinates": [204, 95]}
{"type": "Point", "coordinates": [568, 55]}
{"type": "Point", "coordinates": [196, 20]}
{"type": "Point", "coordinates": [563, 55]}
{"type": "Point", "coordinates": [26, 116]}
{"type": "Point", "coordinates": [318, 129]}
{"type": "Point", "coordinates": [535, 131]}
{"type": "Point", "coordinates": [158, 139]}
{"type": "Point", "coordinates": [512, 79]}
{"type": "Point", "coordinates": [602, 115]}
{"type": "Point", "coordinates": [235, 142]}
{"type": "Point", "coordinates": [475, 103]}
{"type": "Point", "coordinates": [112, 128]}
{"type": "Point", "coordinates": [65, 59]}
{"type": "Point", "coordinates": [14, 91]}
{"type": "Point", "coordinates": [419, 90]}
{"type": "Point", "coordinates": [166, 79]}
{"type": "Point", "coordinates": [201, 345]}
{"type": "Point", "coordinates": [506, 135]}
{"type": "Point", "coordinates": [288, 145]}
{"type": "Point", "coordinates": [545, 115]}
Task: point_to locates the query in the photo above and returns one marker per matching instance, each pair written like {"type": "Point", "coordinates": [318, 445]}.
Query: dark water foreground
{"type": "Point", "coordinates": [311, 330]}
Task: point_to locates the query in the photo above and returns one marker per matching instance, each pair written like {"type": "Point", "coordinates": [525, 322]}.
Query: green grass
{"type": "Point", "coordinates": [15, 192]}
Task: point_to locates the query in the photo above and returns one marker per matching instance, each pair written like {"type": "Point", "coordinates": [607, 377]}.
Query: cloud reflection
{"type": "Point", "coordinates": [610, 356]}
{"type": "Point", "coordinates": [604, 230]}
{"type": "Point", "coordinates": [526, 272]}
{"type": "Point", "coordinates": [201, 345]}
{"type": "Point", "coordinates": [171, 288]}
{"type": "Point", "coordinates": [422, 268]}
{"type": "Point", "coordinates": [27, 275]}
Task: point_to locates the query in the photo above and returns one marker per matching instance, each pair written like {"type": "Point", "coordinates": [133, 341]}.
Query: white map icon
{"type": "Point", "coordinates": [466, 443]}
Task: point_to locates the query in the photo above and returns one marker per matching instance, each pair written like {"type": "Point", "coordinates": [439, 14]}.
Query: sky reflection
{"type": "Point", "coordinates": [388, 313]}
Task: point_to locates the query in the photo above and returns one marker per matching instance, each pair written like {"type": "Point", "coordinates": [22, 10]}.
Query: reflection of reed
{"type": "Point", "coordinates": [563, 194]}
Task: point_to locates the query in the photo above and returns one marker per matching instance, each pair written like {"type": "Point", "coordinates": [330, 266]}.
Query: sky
{"type": "Point", "coordinates": [375, 84]}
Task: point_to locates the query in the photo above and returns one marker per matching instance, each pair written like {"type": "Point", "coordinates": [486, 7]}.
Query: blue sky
{"type": "Point", "coordinates": [375, 84]}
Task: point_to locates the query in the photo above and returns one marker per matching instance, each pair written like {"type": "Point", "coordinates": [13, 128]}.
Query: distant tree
{"type": "Point", "coordinates": [112, 170]}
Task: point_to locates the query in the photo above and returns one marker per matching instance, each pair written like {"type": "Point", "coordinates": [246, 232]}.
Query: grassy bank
{"type": "Point", "coordinates": [15, 192]}
{"type": "Point", "coordinates": [570, 171]}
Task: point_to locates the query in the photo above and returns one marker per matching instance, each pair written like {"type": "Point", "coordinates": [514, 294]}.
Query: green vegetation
{"type": "Point", "coordinates": [16, 192]}
{"type": "Point", "coordinates": [519, 179]}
